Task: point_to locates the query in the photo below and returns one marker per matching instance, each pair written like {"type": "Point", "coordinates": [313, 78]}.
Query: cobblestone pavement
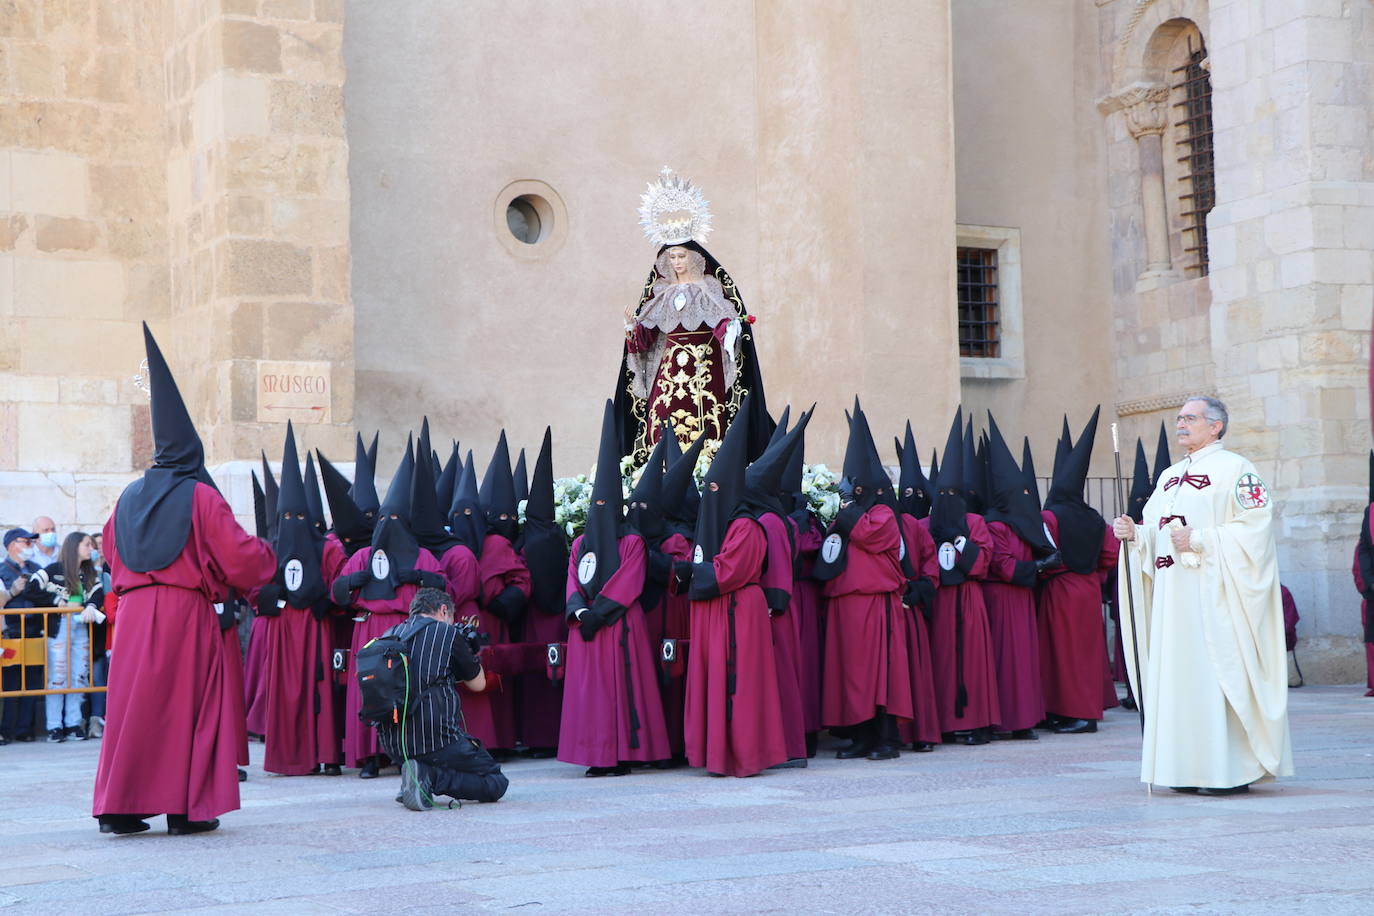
{"type": "Point", "coordinates": [1060, 826]}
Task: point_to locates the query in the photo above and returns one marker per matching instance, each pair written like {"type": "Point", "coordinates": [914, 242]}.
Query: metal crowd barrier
{"type": "Point", "coordinates": [25, 652]}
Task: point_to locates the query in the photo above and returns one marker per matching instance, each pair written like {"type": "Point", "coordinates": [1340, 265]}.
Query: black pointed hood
{"type": "Point", "coordinates": [861, 461]}
{"type": "Point", "coordinates": [543, 543]}
{"type": "Point", "coordinates": [448, 478]}
{"type": "Point", "coordinates": [974, 498]}
{"type": "Point", "coordinates": [270, 490]}
{"type": "Point", "coordinates": [763, 478]}
{"type": "Point", "coordinates": [1028, 469]}
{"type": "Point", "coordinates": [259, 507]}
{"type": "Point", "coordinates": [1162, 460]}
{"type": "Point", "coordinates": [934, 473]}
{"type": "Point", "coordinates": [299, 544]}
{"type": "Point", "coordinates": [363, 491]}
{"type": "Point", "coordinates": [1011, 502]}
{"type": "Point", "coordinates": [1081, 526]}
{"type": "Point", "coordinates": [598, 554]}
{"type": "Point", "coordinates": [153, 516]}
{"type": "Point", "coordinates": [913, 489]}
{"type": "Point", "coordinates": [793, 497]}
{"type": "Point", "coordinates": [498, 493]}
{"type": "Point", "coordinates": [681, 498]}
{"type": "Point", "coordinates": [465, 518]}
{"type": "Point", "coordinates": [424, 452]}
{"type": "Point", "coordinates": [522, 479]}
{"type": "Point", "coordinates": [426, 518]}
{"type": "Point", "coordinates": [947, 508]}
{"type": "Point", "coordinates": [672, 449]}
{"type": "Point", "coordinates": [351, 527]}
{"type": "Point", "coordinates": [313, 501]}
{"type": "Point", "coordinates": [372, 450]}
{"type": "Point", "coordinates": [1141, 484]}
{"type": "Point", "coordinates": [644, 515]}
{"type": "Point", "coordinates": [721, 502]}
{"type": "Point", "coordinates": [392, 537]}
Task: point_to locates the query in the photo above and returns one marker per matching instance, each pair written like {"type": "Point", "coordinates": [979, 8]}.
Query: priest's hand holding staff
{"type": "Point", "coordinates": [1124, 528]}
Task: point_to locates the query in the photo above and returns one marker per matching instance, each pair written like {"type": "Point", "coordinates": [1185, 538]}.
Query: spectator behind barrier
{"type": "Point", "coordinates": [44, 541]}
{"type": "Point", "coordinates": [69, 635]}
{"type": "Point", "coordinates": [27, 587]}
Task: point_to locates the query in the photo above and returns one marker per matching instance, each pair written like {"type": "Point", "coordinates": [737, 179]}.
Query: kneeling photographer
{"type": "Point", "coordinates": [440, 758]}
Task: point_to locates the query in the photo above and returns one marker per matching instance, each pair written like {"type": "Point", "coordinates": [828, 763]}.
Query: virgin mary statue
{"type": "Point", "coordinates": [689, 355]}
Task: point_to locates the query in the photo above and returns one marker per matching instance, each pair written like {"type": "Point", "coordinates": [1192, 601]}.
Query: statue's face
{"type": "Point", "coordinates": [678, 259]}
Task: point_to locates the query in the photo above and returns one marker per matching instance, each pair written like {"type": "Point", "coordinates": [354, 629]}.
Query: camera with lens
{"type": "Point", "coordinates": [474, 637]}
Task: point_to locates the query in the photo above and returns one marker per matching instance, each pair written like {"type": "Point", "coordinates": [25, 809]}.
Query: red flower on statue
{"type": "Point", "coordinates": [751, 318]}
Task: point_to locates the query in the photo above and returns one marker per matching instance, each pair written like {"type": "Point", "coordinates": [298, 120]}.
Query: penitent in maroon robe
{"type": "Point", "coordinates": [611, 709]}
{"type": "Point", "coordinates": [360, 740]}
{"type": "Point", "coordinates": [808, 602]}
{"type": "Point", "coordinates": [739, 733]}
{"type": "Point", "coordinates": [254, 683]}
{"type": "Point", "coordinates": [1361, 586]}
{"type": "Point", "coordinates": [867, 655]}
{"type": "Point", "coordinates": [974, 665]}
{"type": "Point", "coordinates": [925, 725]}
{"type": "Point", "coordinates": [1073, 647]}
{"type": "Point", "coordinates": [777, 589]}
{"type": "Point", "coordinates": [172, 739]}
{"type": "Point", "coordinates": [498, 567]}
{"type": "Point", "coordinates": [298, 686]}
{"type": "Point", "coordinates": [672, 620]}
{"type": "Point", "coordinates": [1015, 637]}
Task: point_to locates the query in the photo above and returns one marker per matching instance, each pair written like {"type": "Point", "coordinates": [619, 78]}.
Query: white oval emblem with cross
{"type": "Point", "coordinates": [901, 549]}
{"type": "Point", "coordinates": [949, 554]}
{"type": "Point", "coordinates": [586, 567]}
{"type": "Point", "coordinates": [698, 555]}
{"type": "Point", "coordinates": [293, 574]}
{"type": "Point", "coordinates": [830, 549]}
{"type": "Point", "coordinates": [381, 564]}
{"type": "Point", "coordinates": [959, 543]}
{"type": "Point", "coordinates": [1049, 537]}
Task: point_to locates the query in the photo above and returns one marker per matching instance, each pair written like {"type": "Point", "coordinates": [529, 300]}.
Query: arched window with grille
{"type": "Point", "coordinates": [1192, 141]}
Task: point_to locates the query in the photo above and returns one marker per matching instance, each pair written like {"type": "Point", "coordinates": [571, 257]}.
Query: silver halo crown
{"type": "Point", "coordinates": [674, 194]}
{"type": "Point", "coordinates": [141, 379]}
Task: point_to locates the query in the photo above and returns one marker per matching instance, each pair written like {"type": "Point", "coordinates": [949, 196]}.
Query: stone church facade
{"type": "Point", "coordinates": [347, 213]}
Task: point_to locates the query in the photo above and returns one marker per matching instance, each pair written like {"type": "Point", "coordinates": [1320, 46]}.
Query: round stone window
{"type": "Point", "coordinates": [530, 220]}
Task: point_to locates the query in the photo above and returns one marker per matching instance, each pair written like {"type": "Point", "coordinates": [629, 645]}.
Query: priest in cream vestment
{"type": "Point", "coordinates": [1205, 576]}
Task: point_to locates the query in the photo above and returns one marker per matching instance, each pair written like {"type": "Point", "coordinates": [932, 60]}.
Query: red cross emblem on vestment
{"type": "Point", "coordinates": [1251, 492]}
{"type": "Point", "coordinates": [1169, 518]}
{"type": "Point", "coordinates": [1164, 562]}
{"type": "Point", "coordinates": [1196, 481]}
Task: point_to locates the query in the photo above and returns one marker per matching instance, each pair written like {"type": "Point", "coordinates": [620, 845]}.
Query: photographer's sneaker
{"type": "Point", "coordinates": [414, 788]}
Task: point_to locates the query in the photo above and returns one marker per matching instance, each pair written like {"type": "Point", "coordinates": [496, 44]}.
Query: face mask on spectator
{"type": "Point", "coordinates": [48, 539]}
{"type": "Point", "coordinates": [95, 557]}
{"type": "Point", "coordinates": [26, 554]}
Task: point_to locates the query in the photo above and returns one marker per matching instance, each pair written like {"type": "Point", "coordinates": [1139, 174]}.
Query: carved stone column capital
{"type": "Point", "coordinates": [1146, 106]}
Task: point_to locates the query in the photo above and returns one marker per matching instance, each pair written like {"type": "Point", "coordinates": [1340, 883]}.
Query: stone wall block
{"type": "Point", "coordinates": [1297, 269]}
{"type": "Point", "coordinates": [1357, 227]}
{"type": "Point", "coordinates": [55, 233]}
{"type": "Point", "coordinates": [264, 268]}
{"type": "Point", "coordinates": [1357, 302]}
{"type": "Point", "coordinates": [313, 52]}
{"type": "Point", "coordinates": [149, 294]}
{"type": "Point", "coordinates": [20, 18]}
{"type": "Point", "coordinates": [245, 330]}
{"type": "Point", "coordinates": [16, 388]}
{"type": "Point", "coordinates": [329, 11]}
{"type": "Point", "coordinates": [310, 220]}
{"type": "Point", "coordinates": [52, 183]}
{"type": "Point", "coordinates": [246, 215]}
{"type": "Point", "coordinates": [259, 164]}
{"type": "Point", "coordinates": [106, 76]}
{"type": "Point", "coordinates": [306, 331]}
{"type": "Point", "coordinates": [1288, 231]}
{"type": "Point", "coordinates": [1335, 265]}
{"type": "Point", "coordinates": [251, 46]}
{"type": "Point", "coordinates": [12, 229]}
{"type": "Point", "coordinates": [240, 7]}
{"type": "Point", "coordinates": [79, 390]}
{"type": "Point", "coordinates": [333, 276]}
{"type": "Point", "coordinates": [307, 108]}
{"type": "Point", "coordinates": [245, 105]}
{"type": "Point", "coordinates": [36, 69]}
{"type": "Point", "coordinates": [287, 9]}
{"type": "Point", "coordinates": [50, 287]}
{"type": "Point", "coordinates": [69, 436]}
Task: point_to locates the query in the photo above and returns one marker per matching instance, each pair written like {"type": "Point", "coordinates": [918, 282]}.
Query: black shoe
{"type": "Point", "coordinates": [76, 733]}
{"type": "Point", "coordinates": [884, 752]}
{"type": "Point", "coordinates": [27, 738]}
{"type": "Point", "coordinates": [122, 824]}
{"type": "Point", "coordinates": [812, 740]}
{"type": "Point", "coordinates": [4, 741]}
{"type": "Point", "coordinates": [976, 737]}
{"type": "Point", "coordinates": [541, 753]}
{"type": "Point", "coordinates": [796, 763]}
{"type": "Point", "coordinates": [1233, 790]}
{"type": "Point", "coordinates": [56, 736]}
{"type": "Point", "coordinates": [1023, 734]}
{"type": "Point", "coordinates": [855, 750]}
{"type": "Point", "coordinates": [369, 769]}
{"type": "Point", "coordinates": [1050, 722]}
{"type": "Point", "coordinates": [1128, 702]}
{"type": "Point", "coordinates": [1077, 727]}
{"type": "Point", "coordinates": [243, 775]}
{"type": "Point", "coordinates": [332, 769]}
{"type": "Point", "coordinates": [596, 772]}
{"type": "Point", "coordinates": [1186, 790]}
{"type": "Point", "coordinates": [178, 825]}
{"type": "Point", "coordinates": [922, 747]}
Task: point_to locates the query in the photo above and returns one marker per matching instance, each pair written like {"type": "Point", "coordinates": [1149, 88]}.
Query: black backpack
{"type": "Point", "coordinates": [388, 689]}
